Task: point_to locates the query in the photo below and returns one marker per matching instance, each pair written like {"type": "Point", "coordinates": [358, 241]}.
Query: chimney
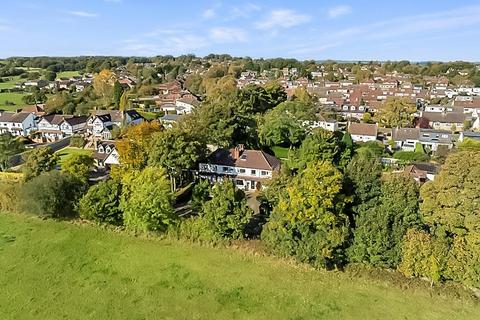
{"type": "Point", "coordinates": [237, 151]}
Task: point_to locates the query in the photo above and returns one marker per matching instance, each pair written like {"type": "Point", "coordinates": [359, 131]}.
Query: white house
{"type": "Point", "coordinates": [186, 105]}
{"type": "Point", "coordinates": [106, 154]}
{"type": "Point", "coordinates": [56, 126]}
{"type": "Point", "coordinates": [362, 132]}
{"type": "Point", "coordinates": [405, 138]}
{"type": "Point", "coordinates": [18, 124]}
{"type": "Point", "coordinates": [101, 123]}
{"type": "Point", "coordinates": [321, 122]}
{"type": "Point", "coordinates": [248, 168]}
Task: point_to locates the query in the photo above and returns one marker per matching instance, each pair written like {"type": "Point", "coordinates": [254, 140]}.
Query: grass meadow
{"type": "Point", "coordinates": [61, 270]}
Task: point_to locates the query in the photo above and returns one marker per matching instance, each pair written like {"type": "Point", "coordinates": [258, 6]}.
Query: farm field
{"type": "Point", "coordinates": [16, 98]}
{"type": "Point", "coordinates": [67, 74]}
{"type": "Point", "coordinates": [60, 270]}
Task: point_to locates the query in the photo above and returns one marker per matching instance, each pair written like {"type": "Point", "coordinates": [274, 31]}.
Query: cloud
{"type": "Point", "coordinates": [282, 18]}
{"type": "Point", "coordinates": [410, 25]}
{"type": "Point", "coordinates": [209, 13]}
{"type": "Point", "coordinates": [83, 14]}
{"type": "Point", "coordinates": [339, 11]}
{"type": "Point", "coordinates": [243, 11]}
{"type": "Point", "coordinates": [174, 45]}
{"type": "Point", "coordinates": [226, 35]}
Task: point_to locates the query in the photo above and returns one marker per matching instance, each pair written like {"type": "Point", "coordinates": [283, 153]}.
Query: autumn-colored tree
{"type": "Point", "coordinates": [301, 94]}
{"type": "Point", "coordinates": [134, 145]}
{"type": "Point", "coordinates": [397, 112]}
{"type": "Point", "coordinates": [103, 84]}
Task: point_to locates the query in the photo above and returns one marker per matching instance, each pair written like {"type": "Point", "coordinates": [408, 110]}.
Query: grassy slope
{"type": "Point", "coordinates": [55, 270]}
{"type": "Point", "coordinates": [67, 74]}
{"type": "Point", "coordinates": [9, 82]}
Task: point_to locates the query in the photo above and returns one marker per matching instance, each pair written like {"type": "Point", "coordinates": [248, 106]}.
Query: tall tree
{"type": "Point", "coordinates": [103, 84]}
{"type": "Point", "coordinates": [309, 221]}
{"type": "Point", "coordinates": [117, 93]}
{"type": "Point", "coordinates": [39, 160]}
{"type": "Point", "coordinates": [397, 112]}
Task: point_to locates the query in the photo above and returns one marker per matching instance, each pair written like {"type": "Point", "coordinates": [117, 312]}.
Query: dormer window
{"type": "Point", "coordinates": [101, 150]}
{"type": "Point", "coordinates": [243, 157]}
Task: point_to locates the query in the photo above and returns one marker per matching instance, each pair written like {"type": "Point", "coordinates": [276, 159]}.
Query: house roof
{"type": "Point", "coordinates": [402, 134]}
{"type": "Point", "coordinates": [17, 117]}
{"type": "Point", "coordinates": [363, 129]}
{"type": "Point", "coordinates": [435, 136]}
{"type": "Point", "coordinates": [56, 119]}
{"type": "Point", "coordinates": [76, 120]}
{"type": "Point", "coordinates": [170, 117]}
{"type": "Point", "coordinates": [449, 117]}
{"type": "Point", "coordinates": [255, 159]}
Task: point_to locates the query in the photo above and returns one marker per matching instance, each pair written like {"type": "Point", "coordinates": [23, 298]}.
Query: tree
{"type": "Point", "coordinates": [124, 103]}
{"type": "Point", "coordinates": [39, 160]}
{"type": "Point", "coordinates": [103, 84]}
{"type": "Point", "coordinates": [301, 94]}
{"type": "Point", "coordinates": [147, 201]}
{"type": "Point", "coordinates": [102, 203]}
{"type": "Point", "coordinates": [226, 215]}
{"type": "Point", "coordinates": [50, 194]}
{"type": "Point", "coordinates": [450, 202]}
{"type": "Point", "coordinates": [397, 112]}
{"type": "Point", "coordinates": [117, 93]}
{"type": "Point", "coordinates": [282, 125]}
{"type": "Point", "coordinates": [134, 145]}
{"type": "Point", "coordinates": [50, 75]}
{"type": "Point", "coordinates": [78, 166]}
{"type": "Point", "coordinates": [379, 229]}
{"type": "Point", "coordinates": [309, 222]}
{"type": "Point", "coordinates": [469, 144]}
{"type": "Point", "coordinates": [9, 146]}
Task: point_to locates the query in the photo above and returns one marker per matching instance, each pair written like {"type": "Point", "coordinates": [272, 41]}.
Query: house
{"type": "Point", "coordinates": [469, 135]}
{"type": "Point", "coordinates": [56, 126]}
{"type": "Point", "coordinates": [362, 132]}
{"type": "Point", "coordinates": [101, 123]}
{"type": "Point", "coordinates": [445, 120]}
{"type": "Point", "coordinates": [186, 104]}
{"type": "Point", "coordinates": [321, 122]}
{"type": "Point", "coordinates": [405, 138]}
{"type": "Point", "coordinates": [38, 110]}
{"type": "Point", "coordinates": [169, 119]}
{"type": "Point", "coordinates": [17, 123]}
{"type": "Point", "coordinates": [433, 139]}
{"type": "Point", "coordinates": [106, 155]}
{"type": "Point", "coordinates": [248, 168]}
{"type": "Point", "coordinates": [421, 172]}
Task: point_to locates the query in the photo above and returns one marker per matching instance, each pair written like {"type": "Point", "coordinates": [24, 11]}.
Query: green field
{"type": "Point", "coordinates": [9, 82]}
{"type": "Point", "coordinates": [66, 152]}
{"type": "Point", "coordinates": [60, 270]}
{"type": "Point", "coordinates": [16, 98]}
{"type": "Point", "coordinates": [67, 74]}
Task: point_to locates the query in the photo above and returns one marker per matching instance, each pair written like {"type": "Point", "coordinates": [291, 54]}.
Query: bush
{"type": "Point", "coordinates": [147, 201]}
{"type": "Point", "coordinates": [102, 203]}
{"type": "Point", "coordinates": [8, 196]}
{"type": "Point", "coordinates": [77, 141]}
{"type": "Point", "coordinates": [51, 194]}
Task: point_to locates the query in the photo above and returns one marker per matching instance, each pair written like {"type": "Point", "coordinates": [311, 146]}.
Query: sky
{"type": "Point", "coordinates": [341, 30]}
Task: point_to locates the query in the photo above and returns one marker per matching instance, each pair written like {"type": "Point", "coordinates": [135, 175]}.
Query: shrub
{"type": "Point", "coordinates": [147, 201]}
{"type": "Point", "coordinates": [102, 203]}
{"type": "Point", "coordinates": [51, 194]}
{"type": "Point", "coordinates": [39, 160]}
{"type": "Point", "coordinates": [77, 141]}
{"type": "Point", "coordinates": [409, 156]}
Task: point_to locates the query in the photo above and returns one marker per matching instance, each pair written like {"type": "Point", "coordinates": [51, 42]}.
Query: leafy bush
{"type": "Point", "coordinates": [147, 201]}
{"type": "Point", "coordinates": [51, 194]}
{"type": "Point", "coordinates": [39, 160]}
{"type": "Point", "coordinates": [224, 216]}
{"type": "Point", "coordinates": [77, 141]}
{"type": "Point", "coordinates": [102, 203]}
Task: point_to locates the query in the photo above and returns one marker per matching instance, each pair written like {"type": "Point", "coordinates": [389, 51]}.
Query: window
{"type": "Point", "coordinates": [225, 169]}
{"type": "Point", "coordinates": [253, 172]}
{"type": "Point", "coordinates": [241, 170]}
{"type": "Point", "coordinates": [239, 182]}
{"type": "Point", "coordinates": [263, 173]}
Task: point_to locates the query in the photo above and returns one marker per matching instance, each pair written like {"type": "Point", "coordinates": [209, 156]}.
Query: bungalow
{"type": "Point", "coordinates": [248, 168]}
{"type": "Point", "coordinates": [18, 124]}
{"type": "Point", "coordinates": [407, 138]}
{"type": "Point", "coordinates": [362, 132]}
{"type": "Point", "coordinates": [421, 172]}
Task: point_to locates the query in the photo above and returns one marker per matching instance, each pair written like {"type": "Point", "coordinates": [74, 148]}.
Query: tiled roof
{"type": "Point", "coordinates": [255, 159]}
{"type": "Point", "coordinates": [364, 129]}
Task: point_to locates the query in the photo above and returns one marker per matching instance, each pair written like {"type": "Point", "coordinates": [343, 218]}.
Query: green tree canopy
{"type": "Point", "coordinates": [9, 146]}
{"type": "Point", "coordinates": [39, 160]}
{"type": "Point", "coordinates": [102, 203]}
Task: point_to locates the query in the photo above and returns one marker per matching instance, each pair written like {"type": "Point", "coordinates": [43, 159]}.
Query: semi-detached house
{"type": "Point", "coordinates": [247, 168]}
{"type": "Point", "coordinates": [17, 124]}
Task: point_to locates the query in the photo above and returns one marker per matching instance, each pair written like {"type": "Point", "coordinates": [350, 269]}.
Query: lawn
{"type": "Point", "coordinates": [60, 270]}
{"type": "Point", "coordinates": [66, 152]}
{"type": "Point", "coordinates": [67, 74]}
{"type": "Point", "coordinates": [16, 98]}
{"type": "Point", "coordinates": [280, 152]}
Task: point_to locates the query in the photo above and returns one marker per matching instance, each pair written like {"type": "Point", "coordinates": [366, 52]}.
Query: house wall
{"type": "Point", "coordinates": [363, 138]}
